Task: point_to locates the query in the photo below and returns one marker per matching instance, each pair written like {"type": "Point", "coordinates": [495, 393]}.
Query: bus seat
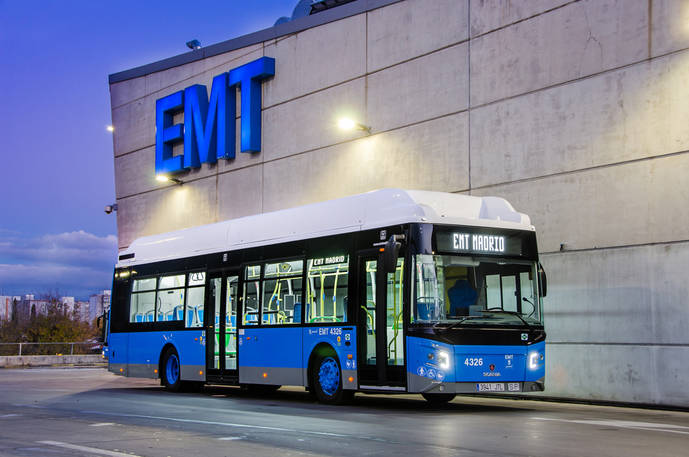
{"type": "Point", "coordinates": [179, 312]}
{"type": "Point", "coordinates": [190, 316]}
{"type": "Point", "coordinates": [217, 320]}
{"type": "Point", "coordinates": [150, 316]}
{"type": "Point", "coordinates": [461, 296]}
{"type": "Point", "coordinates": [425, 310]}
{"type": "Point", "coordinates": [297, 313]}
{"type": "Point", "coordinates": [138, 317]}
{"type": "Point", "coordinates": [199, 313]}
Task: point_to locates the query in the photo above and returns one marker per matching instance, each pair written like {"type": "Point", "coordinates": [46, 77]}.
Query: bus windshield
{"type": "Point", "coordinates": [475, 291]}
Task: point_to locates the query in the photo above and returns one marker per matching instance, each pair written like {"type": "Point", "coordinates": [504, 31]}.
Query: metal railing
{"type": "Point", "coordinates": [70, 348]}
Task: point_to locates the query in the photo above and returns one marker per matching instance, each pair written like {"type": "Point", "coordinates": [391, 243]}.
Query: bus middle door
{"type": "Point", "coordinates": [381, 335]}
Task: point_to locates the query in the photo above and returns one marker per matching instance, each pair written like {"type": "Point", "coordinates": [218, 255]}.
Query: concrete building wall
{"type": "Point", "coordinates": [575, 111]}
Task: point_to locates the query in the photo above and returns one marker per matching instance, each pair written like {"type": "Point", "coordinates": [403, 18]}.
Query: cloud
{"type": "Point", "coordinates": [74, 263]}
{"type": "Point", "coordinates": [72, 248]}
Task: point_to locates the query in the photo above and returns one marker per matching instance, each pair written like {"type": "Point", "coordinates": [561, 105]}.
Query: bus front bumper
{"type": "Point", "coordinates": [418, 384]}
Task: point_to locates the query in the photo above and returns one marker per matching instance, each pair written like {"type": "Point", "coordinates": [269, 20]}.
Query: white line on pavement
{"type": "Point", "coordinates": [102, 424]}
{"type": "Point", "coordinates": [632, 425]}
{"type": "Point", "coordinates": [92, 450]}
{"type": "Point", "coordinates": [227, 424]}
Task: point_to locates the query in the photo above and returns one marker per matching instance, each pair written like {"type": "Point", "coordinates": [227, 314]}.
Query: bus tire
{"type": "Point", "coordinates": [170, 371]}
{"type": "Point", "coordinates": [438, 399]}
{"type": "Point", "coordinates": [326, 377]}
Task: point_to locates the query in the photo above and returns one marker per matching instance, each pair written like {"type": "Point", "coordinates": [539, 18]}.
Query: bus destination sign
{"type": "Point", "coordinates": [479, 243]}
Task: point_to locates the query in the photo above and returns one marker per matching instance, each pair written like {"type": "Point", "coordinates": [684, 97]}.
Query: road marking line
{"type": "Point", "coordinates": [102, 424]}
{"type": "Point", "coordinates": [231, 438]}
{"type": "Point", "coordinates": [10, 415]}
{"type": "Point", "coordinates": [231, 424]}
{"type": "Point", "coordinates": [92, 450]}
{"type": "Point", "coordinates": [631, 425]}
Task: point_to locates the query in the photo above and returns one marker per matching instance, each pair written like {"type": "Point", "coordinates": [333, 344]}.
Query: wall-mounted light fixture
{"type": "Point", "coordinates": [194, 44]}
{"type": "Point", "coordinates": [346, 123]}
{"type": "Point", "coordinates": [165, 178]}
{"type": "Point", "coordinates": [110, 208]}
{"type": "Point", "coordinates": [110, 128]}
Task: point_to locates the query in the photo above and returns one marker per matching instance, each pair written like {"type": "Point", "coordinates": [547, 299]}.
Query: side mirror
{"type": "Point", "coordinates": [390, 254]}
{"type": "Point", "coordinates": [542, 280]}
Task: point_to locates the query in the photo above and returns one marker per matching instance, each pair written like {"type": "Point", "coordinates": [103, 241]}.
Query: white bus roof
{"type": "Point", "coordinates": [376, 209]}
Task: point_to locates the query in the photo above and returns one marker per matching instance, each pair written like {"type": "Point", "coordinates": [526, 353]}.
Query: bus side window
{"type": "Point", "coordinates": [251, 294]}
{"type": "Point", "coordinates": [281, 292]}
{"type": "Point", "coordinates": [170, 297]}
{"type": "Point", "coordinates": [193, 317]}
{"type": "Point", "coordinates": [327, 280]}
{"type": "Point", "coordinates": [142, 300]}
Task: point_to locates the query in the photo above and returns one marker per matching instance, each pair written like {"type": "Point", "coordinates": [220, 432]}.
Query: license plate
{"type": "Point", "coordinates": [490, 387]}
{"type": "Point", "coordinates": [513, 387]}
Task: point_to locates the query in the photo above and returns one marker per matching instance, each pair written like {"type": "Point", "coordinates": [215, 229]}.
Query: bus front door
{"type": "Point", "coordinates": [381, 336]}
{"type": "Point", "coordinates": [221, 327]}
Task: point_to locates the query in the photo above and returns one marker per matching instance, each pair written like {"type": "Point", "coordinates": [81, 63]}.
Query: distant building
{"type": "Point", "coordinates": [77, 309]}
{"type": "Point", "coordinates": [7, 307]}
{"type": "Point", "coordinates": [29, 306]}
{"type": "Point", "coordinates": [98, 304]}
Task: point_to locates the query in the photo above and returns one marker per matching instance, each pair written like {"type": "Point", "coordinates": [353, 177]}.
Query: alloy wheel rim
{"type": "Point", "coordinates": [329, 376]}
{"type": "Point", "coordinates": [172, 369]}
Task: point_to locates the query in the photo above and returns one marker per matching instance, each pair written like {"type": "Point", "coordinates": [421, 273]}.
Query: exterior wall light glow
{"type": "Point", "coordinates": [346, 123]}
{"type": "Point", "coordinates": [165, 178]}
{"type": "Point", "coordinates": [110, 128]}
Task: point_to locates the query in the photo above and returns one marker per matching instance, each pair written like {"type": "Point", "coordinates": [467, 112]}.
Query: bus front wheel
{"type": "Point", "coordinates": [326, 379]}
{"type": "Point", "coordinates": [170, 371]}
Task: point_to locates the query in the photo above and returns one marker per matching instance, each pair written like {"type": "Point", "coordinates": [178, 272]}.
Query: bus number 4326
{"type": "Point", "coordinates": [473, 361]}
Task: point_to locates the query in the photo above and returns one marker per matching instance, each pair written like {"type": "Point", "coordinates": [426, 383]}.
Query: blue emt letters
{"type": "Point", "coordinates": [208, 131]}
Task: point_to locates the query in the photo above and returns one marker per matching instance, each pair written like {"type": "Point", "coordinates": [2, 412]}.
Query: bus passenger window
{"type": "Point", "coordinates": [251, 294]}
{"type": "Point", "coordinates": [193, 317]}
{"type": "Point", "coordinates": [326, 289]}
{"type": "Point", "coordinates": [142, 303]}
{"type": "Point", "coordinates": [281, 292]}
{"type": "Point", "coordinates": [170, 297]}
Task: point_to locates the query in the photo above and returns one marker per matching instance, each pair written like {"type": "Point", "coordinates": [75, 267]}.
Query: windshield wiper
{"type": "Point", "coordinates": [513, 313]}
{"type": "Point", "coordinates": [455, 324]}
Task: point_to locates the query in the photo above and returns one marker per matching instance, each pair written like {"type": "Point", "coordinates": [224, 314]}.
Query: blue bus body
{"type": "Point", "coordinates": [432, 309]}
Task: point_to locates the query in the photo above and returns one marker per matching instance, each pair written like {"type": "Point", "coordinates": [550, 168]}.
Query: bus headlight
{"type": "Point", "coordinates": [443, 360]}
{"type": "Point", "coordinates": [534, 359]}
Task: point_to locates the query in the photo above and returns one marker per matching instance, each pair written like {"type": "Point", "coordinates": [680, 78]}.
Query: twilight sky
{"type": "Point", "coordinates": [56, 172]}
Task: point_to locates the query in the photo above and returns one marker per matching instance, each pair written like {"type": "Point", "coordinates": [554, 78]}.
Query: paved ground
{"type": "Point", "coordinates": [89, 412]}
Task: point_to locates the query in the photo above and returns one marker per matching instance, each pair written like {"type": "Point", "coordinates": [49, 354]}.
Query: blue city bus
{"type": "Point", "coordinates": [391, 291]}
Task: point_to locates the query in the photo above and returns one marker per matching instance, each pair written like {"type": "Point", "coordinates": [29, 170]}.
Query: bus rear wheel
{"type": "Point", "coordinates": [438, 399]}
{"type": "Point", "coordinates": [170, 371]}
{"type": "Point", "coordinates": [326, 379]}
